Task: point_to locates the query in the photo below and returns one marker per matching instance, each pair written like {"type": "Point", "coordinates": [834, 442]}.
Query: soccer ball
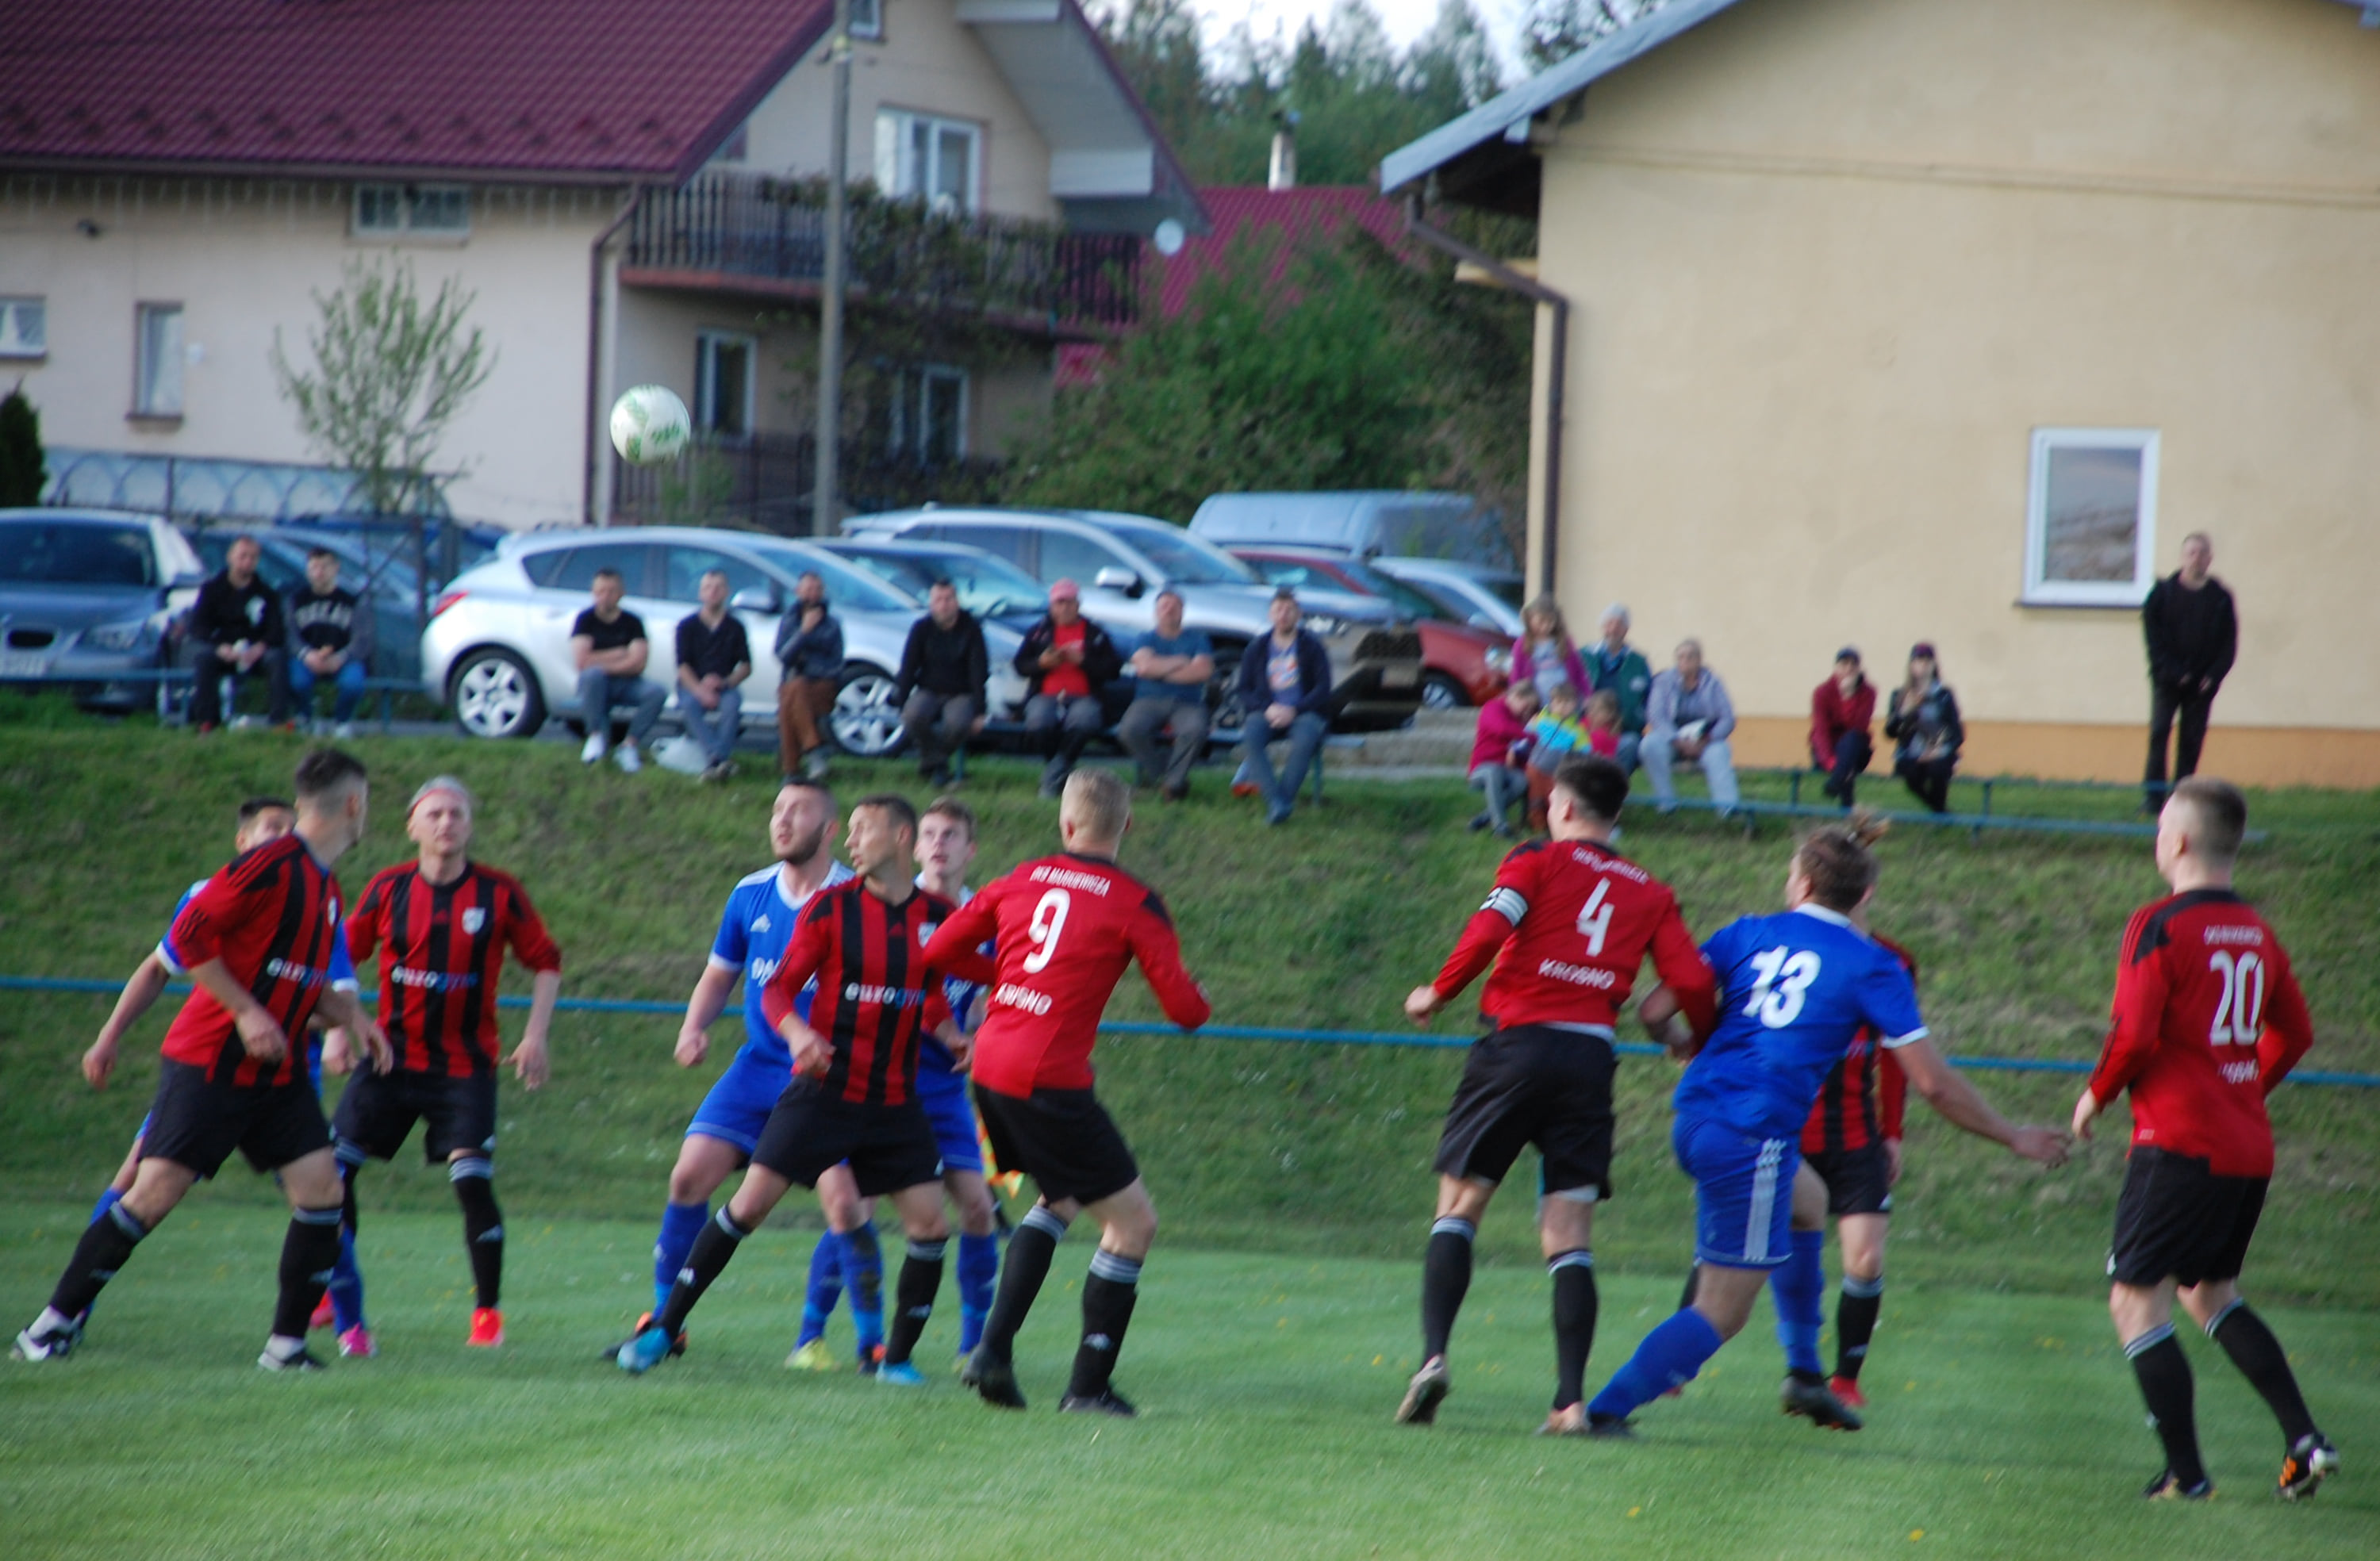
{"type": "Point", "coordinates": [649, 424]}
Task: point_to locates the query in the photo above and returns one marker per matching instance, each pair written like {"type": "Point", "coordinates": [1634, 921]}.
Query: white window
{"type": "Point", "coordinates": [157, 370]}
{"type": "Point", "coordinates": [722, 383]}
{"type": "Point", "coordinates": [393, 210]}
{"type": "Point", "coordinates": [24, 328]}
{"type": "Point", "coordinates": [920, 157]}
{"type": "Point", "coordinates": [868, 19]}
{"type": "Point", "coordinates": [929, 414]}
{"type": "Point", "coordinates": [2090, 521]}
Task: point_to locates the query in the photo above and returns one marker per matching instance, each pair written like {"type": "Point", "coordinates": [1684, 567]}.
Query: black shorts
{"type": "Point", "coordinates": [1858, 1181]}
{"type": "Point", "coordinates": [1064, 1138]}
{"type": "Point", "coordinates": [379, 1109]}
{"type": "Point", "coordinates": [809, 1132]}
{"type": "Point", "coordinates": [198, 1123]}
{"type": "Point", "coordinates": [1536, 1085]}
{"type": "Point", "coordinates": [2178, 1220]}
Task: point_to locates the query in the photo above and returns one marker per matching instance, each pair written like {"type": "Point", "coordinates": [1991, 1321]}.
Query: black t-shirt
{"type": "Point", "coordinates": [622, 631]}
{"type": "Point", "coordinates": [712, 652]}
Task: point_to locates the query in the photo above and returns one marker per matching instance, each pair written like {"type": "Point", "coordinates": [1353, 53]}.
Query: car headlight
{"type": "Point", "coordinates": [116, 637]}
{"type": "Point", "coordinates": [1499, 661]}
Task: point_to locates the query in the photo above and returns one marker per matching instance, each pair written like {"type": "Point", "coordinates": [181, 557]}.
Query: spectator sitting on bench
{"type": "Point", "coordinates": [1499, 755]}
{"type": "Point", "coordinates": [1842, 710]}
{"type": "Point", "coordinates": [609, 647]}
{"type": "Point", "coordinates": [1690, 717]}
{"type": "Point", "coordinates": [1618, 666]}
{"type": "Point", "coordinates": [1067, 661]}
{"type": "Point", "coordinates": [234, 630]}
{"type": "Point", "coordinates": [1556, 734]}
{"type": "Point", "coordinates": [1284, 692]}
{"type": "Point", "coordinates": [1925, 721]}
{"type": "Point", "coordinates": [1173, 666]}
{"type": "Point", "coordinates": [810, 675]}
{"type": "Point", "coordinates": [943, 669]}
{"type": "Point", "coordinates": [1544, 654]}
{"type": "Point", "coordinates": [715, 656]}
{"type": "Point", "coordinates": [330, 636]}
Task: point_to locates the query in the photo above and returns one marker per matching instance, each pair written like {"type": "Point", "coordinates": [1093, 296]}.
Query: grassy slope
{"type": "Point", "coordinates": [1325, 923]}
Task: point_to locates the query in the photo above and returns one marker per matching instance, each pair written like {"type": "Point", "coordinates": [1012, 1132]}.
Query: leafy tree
{"type": "Point", "coordinates": [21, 451]}
{"type": "Point", "coordinates": [1552, 31]}
{"type": "Point", "coordinates": [391, 372]}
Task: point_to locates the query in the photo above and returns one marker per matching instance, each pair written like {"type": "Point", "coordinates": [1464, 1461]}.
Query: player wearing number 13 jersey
{"type": "Point", "coordinates": [1568, 925]}
{"type": "Point", "coordinates": [2208, 1020]}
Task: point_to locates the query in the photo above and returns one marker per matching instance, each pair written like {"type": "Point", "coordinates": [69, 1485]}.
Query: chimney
{"type": "Point", "coordinates": [1284, 151]}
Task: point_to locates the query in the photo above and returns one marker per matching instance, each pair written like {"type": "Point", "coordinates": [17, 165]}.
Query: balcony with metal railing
{"type": "Point", "coordinates": [751, 234]}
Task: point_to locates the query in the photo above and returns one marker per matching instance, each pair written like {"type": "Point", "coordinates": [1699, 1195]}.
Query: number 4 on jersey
{"type": "Point", "coordinates": [1594, 918]}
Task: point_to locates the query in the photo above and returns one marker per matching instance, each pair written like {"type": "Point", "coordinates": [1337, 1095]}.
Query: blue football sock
{"type": "Point", "coordinates": [107, 1200]}
{"type": "Point", "coordinates": [863, 1276]}
{"type": "Point", "coordinates": [346, 1286]}
{"type": "Point", "coordinates": [681, 1223]}
{"type": "Point", "coordinates": [1800, 1290]}
{"type": "Point", "coordinates": [825, 1288]}
{"type": "Point", "coordinates": [978, 1274]}
{"type": "Point", "coordinates": [1671, 1356]}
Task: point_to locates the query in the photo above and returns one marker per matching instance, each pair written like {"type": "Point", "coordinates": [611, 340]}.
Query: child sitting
{"type": "Point", "coordinates": [1553, 737]}
{"type": "Point", "coordinates": [1498, 753]}
{"type": "Point", "coordinates": [1603, 724]}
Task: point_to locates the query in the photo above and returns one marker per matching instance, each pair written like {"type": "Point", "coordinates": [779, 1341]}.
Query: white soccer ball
{"type": "Point", "coordinates": [649, 424]}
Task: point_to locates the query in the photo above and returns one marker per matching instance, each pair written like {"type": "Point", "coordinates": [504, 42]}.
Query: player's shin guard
{"type": "Point", "coordinates": [307, 1254]}
{"type": "Point", "coordinates": [681, 1223]}
{"type": "Point", "coordinates": [1856, 1323]}
{"type": "Point", "coordinates": [484, 1225]}
{"type": "Point", "coordinates": [1800, 1288]}
{"type": "Point", "coordinates": [716, 1243]}
{"type": "Point", "coordinates": [824, 1289]}
{"type": "Point", "coordinates": [1574, 1308]}
{"type": "Point", "coordinates": [1671, 1356]}
{"type": "Point", "coordinates": [1445, 1280]}
{"type": "Point", "coordinates": [1029, 1252]}
{"type": "Point", "coordinates": [1108, 1297]}
{"type": "Point", "coordinates": [106, 1244]}
{"type": "Point", "coordinates": [346, 1275]}
{"type": "Point", "coordinates": [2260, 1360]}
{"type": "Point", "coordinates": [913, 1298]}
{"type": "Point", "coordinates": [863, 1276]}
{"type": "Point", "coordinates": [2165, 1384]}
{"type": "Point", "coordinates": [979, 1272]}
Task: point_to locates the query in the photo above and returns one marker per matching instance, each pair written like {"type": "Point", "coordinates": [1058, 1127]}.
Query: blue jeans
{"type": "Point", "coordinates": [600, 693]}
{"type": "Point", "coordinates": [350, 688]}
{"type": "Point", "coordinates": [715, 730]}
{"type": "Point", "coordinates": [1304, 735]}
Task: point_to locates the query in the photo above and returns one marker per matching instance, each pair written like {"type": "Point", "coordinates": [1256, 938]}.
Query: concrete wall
{"type": "Point", "coordinates": [1834, 260]}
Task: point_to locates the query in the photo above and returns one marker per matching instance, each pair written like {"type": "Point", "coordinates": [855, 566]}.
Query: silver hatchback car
{"type": "Point", "coordinates": [497, 646]}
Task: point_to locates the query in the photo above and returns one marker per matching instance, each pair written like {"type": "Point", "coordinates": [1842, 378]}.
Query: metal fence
{"type": "Point", "coordinates": [766, 480]}
{"type": "Point", "coordinates": [201, 488]}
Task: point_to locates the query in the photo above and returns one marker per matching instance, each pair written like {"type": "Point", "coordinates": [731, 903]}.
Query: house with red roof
{"type": "Point", "coordinates": [628, 202]}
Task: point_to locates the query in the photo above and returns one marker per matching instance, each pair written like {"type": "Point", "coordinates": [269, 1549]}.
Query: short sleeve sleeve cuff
{"type": "Point", "coordinates": [1921, 1032]}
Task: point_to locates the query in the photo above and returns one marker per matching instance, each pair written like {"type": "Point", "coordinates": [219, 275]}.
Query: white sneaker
{"type": "Point", "coordinates": [625, 757]}
{"type": "Point", "coordinates": [343, 730]}
{"type": "Point", "coordinates": [592, 753]}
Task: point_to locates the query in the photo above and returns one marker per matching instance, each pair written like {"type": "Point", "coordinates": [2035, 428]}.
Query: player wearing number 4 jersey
{"type": "Point", "coordinates": [1568, 925]}
{"type": "Point", "coordinates": [2208, 1020]}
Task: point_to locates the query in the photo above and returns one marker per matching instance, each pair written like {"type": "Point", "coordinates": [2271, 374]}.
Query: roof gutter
{"type": "Point", "coordinates": [595, 351]}
{"type": "Point", "coordinates": [1556, 369]}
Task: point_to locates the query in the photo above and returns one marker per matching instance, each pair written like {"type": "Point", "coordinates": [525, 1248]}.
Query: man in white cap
{"type": "Point", "coordinates": [1070, 662]}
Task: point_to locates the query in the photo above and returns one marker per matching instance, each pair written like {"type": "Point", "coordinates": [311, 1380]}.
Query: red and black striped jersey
{"type": "Point", "coordinates": [1864, 1099]}
{"type": "Point", "coordinates": [874, 994]}
{"type": "Point", "coordinates": [442, 948]}
{"type": "Point", "coordinates": [272, 919]}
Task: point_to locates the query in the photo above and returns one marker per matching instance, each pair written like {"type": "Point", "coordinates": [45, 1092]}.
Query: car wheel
{"type": "Point", "coordinates": [1439, 692]}
{"type": "Point", "coordinates": [494, 695]}
{"type": "Point", "coordinates": [866, 721]}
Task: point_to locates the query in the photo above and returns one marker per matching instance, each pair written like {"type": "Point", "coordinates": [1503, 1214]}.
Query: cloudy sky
{"type": "Point", "coordinates": [1405, 19]}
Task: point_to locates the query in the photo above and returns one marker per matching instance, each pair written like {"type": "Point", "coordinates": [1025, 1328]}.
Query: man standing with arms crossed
{"type": "Point", "coordinates": [2208, 1021]}
{"type": "Point", "coordinates": [1064, 927]}
{"type": "Point", "coordinates": [2192, 629]}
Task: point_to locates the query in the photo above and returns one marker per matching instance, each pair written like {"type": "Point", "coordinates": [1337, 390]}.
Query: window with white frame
{"type": "Point", "coordinates": [157, 365]}
{"type": "Point", "coordinates": [921, 157]}
{"type": "Point", "coordinates": [398, 210]}
{"type": "Point", "coordinates": [929, 414]}
{"type": "Point", "coordinates": [2090, 518]}
{"type": "Point", "coordinates": [868, 19]}
{"type": "Point", "coordinates": [24, 328]}
{"type": "Point", "coordinates": [722, 383]}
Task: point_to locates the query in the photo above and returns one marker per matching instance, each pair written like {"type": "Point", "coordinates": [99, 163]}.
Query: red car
{"type": "Point", "coordinates": [1461, 664]}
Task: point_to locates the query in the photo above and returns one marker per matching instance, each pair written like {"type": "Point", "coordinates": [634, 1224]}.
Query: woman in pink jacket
{"type": "Point", "coordinates": [1499, 752]}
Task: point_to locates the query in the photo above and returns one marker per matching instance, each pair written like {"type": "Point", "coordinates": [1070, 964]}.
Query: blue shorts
{"type": "Point", "coordinates": [944, 1099]}
{"type": "Point", "coordinates": [1743, 1193]}
{"type": "Point", "coordinates": [737, 1107]}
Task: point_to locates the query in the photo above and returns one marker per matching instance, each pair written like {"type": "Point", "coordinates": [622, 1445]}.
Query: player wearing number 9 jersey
{"type": "Point", "coordinates": [2208, 1020]}
{"type": "Point", "coordinates": [1568, 925]}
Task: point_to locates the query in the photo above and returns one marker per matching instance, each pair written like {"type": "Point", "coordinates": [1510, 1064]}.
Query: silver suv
{"type": "Point", "coordinates": [1122, 560]}
{"type": "Point", "coordinates": [497, 646]}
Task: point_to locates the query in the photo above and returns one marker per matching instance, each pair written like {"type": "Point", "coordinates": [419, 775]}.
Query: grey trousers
{"type": "Point", "coordinates": [1144, 719]}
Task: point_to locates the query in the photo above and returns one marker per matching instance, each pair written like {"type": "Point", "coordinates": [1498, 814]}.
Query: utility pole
{"type": "Point", "coordinates": [825, 511]}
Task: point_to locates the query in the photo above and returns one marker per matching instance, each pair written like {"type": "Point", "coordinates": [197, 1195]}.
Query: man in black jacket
{"type": "Point", "coordinates": [235, 629]}
{"type": "Point", "coordinates": [330, 636]}
{"type": "Point", "coordinates": [1283, 692]}
{"type": "Point", "coordinates": [1069, 663]}
{"type": "Point", "coordinates": [944, 669]}
{"type": "Point", "coordinates": [2194, 635]}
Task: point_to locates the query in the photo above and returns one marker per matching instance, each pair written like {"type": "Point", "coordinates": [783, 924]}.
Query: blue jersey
{"type": "Point", "coordinates": [1794, 989]}
{"type": "Point", "coordinates": [963, 996]}
{"type": "Point", "coordinates": [342, 969]}
{"type": "Point", "coordinates": [753, 932]}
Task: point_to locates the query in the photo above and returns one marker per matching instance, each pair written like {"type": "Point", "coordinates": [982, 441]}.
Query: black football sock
{"type": "Point", "coordinates": [1021, 1275]}
{"type": "Point", "coordinates": [484, 1225]}
{"type": "Point", "coordinates": [1694, 1283]}
{"type": "Point", "coordinates": [106, 1243]}
{"type": "Point", "coordinates": [1108, 1297]}
{"type": "Point", "coordinates": [913, 1299]}
{"type": "Point", "coordinates": [2260, 1360]}
{"type": "Point", "coordinates": [1445, 1280]}
{"type": "Point", "coordinates": [1574, 1306]}
{"type": "Point", "coordinates": [2164, 1371]}
{"type": "Point", "coordinates": [308, 1255]}
{"type": "Point", "coordinates": [717, 1244]}
{"type": "Point", "coordinates": [1856, 1323]}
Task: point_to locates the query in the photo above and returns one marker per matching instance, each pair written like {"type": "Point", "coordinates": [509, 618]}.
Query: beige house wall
{"type": "Point", "coordinates": [1832, 262]}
